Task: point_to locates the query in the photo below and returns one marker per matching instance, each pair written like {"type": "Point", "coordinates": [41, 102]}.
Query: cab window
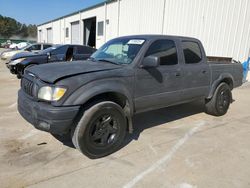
{"type": "Point", "coordinates": [166, 50]}
{"type": "Point", "coordinates": [192, 52]}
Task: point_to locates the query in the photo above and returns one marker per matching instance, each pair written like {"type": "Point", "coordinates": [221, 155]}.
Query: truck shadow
{"type": "Point", "coordinates": [151, 119]}
{"type": "Point", "coordinates": [154, 118]}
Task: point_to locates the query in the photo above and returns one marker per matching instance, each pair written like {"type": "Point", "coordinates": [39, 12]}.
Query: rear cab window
{"type": "Point", "coordinates": [166, 50]}
{"type": "Point", "coordinates": [192, 52]}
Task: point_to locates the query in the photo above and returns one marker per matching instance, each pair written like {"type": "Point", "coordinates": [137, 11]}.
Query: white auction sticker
{"type": "Point", "coordinates": [136, 41]}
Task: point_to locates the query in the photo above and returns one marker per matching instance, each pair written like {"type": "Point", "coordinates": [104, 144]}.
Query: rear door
{"type": "Point", "coordinates": [159, 86]}
{"type": "Point", "coordinates": [82, 52]}
{"type": "Point", "coordinates": [196, 72]}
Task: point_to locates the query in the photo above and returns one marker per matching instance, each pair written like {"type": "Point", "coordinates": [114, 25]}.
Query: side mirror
{"type": "Point", "coordinates": [150, 62]}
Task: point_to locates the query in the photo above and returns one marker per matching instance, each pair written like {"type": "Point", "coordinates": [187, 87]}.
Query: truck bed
{"type": "Point", "coordinates": [219, 68]}
{"type": "Point", "coordinates": [220, 60]}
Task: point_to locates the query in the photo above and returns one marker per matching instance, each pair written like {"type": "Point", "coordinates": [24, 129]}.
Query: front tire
{"type": "Point", "coordinates": [18, 76]}
{"type": "Point", "coordinates": [101, 130]}
{"type": "Point", "coordinates": [220, 101]}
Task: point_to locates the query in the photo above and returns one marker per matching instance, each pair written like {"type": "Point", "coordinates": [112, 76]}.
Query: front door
{"type": "Point", "coordinates": [159, 86]}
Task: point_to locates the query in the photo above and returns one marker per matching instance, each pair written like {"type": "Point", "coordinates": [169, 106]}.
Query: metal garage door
{"type": "Point", "coordinates": [49, 35]}
{"type": "Point", "coordinates": [75, 33]}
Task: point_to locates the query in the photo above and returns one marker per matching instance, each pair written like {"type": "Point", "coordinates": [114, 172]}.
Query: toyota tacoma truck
{"type": "Point", "coordinates": [95, 101]}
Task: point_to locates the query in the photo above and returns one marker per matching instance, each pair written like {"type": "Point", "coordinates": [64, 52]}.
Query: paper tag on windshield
{"type": "Point", "coordinates": [136, 41]}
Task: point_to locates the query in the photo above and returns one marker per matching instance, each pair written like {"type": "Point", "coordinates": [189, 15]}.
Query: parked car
{"type": "Point", "coordinates": [94, 101]}
{"type": "Point", "coordinates": [7, 55]}
{"type": "Point", "coordinates": [13, 46]}
{"type": "Point", "coordinates": [6, 44]}
{"type": "Point", "coordinates": [19, 45]}
{"type": "Point", "coordinates": [56, 53]}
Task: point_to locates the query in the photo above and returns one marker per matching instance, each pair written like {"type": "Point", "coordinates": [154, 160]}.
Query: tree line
{"type": "Point", "coordinates": [9, 27]}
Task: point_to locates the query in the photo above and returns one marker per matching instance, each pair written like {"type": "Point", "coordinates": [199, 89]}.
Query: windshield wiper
{"type": "Point", "coordinates": [92, 59]}
{"type": "Point", "coordinates": [108, 61]}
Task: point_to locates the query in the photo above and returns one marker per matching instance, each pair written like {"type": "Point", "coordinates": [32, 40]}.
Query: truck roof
{"type": "Point", "coordinates": [153, 36]}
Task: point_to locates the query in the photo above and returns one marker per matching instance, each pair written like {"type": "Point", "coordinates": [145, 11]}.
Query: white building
{"type": "Point", "coordinates": [222, 25]}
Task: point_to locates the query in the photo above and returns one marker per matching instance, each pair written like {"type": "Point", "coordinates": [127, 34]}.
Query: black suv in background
{"type": "Point", "coordinates": [56, 53]}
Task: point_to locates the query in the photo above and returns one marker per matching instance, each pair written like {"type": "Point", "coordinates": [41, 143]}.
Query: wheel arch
{"type": "Point", "coordinates": [111, 96]}
{"type": "Point", "coordinates": [115, 92]}
{"type": "Point", "coordinates": [224, 78]}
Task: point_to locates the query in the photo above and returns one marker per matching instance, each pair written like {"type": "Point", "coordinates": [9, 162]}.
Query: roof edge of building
{"type": "Point", "coordinates": [79, 11]}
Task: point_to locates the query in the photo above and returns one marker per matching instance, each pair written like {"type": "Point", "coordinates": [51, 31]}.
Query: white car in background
{"type": "Point", "coordinates": [6, 55]}
{"type": "Point", "coordinates": [13, 46]}
{"type": "Point", "coordinates": [19, 45]}
{"type": "Point", "coordinates": [22, 45]}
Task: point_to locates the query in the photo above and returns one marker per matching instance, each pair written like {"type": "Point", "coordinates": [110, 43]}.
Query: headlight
{"type": "Point", "coordinates": [9, 53]}
{"type": "Point", "coordinates": [3, 54]}
{"type": "Point", "coordinates": [16, 61]}
{"type": "Point", "coordinates": [51, 93]}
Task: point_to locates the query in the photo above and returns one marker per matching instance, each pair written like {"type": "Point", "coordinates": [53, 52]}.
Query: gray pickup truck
{"type": "Point", "coordinates": [95, 101]}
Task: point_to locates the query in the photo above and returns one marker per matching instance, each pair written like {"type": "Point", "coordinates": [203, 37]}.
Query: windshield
{"type": "Point", "coordinates": [119, 51]}
{"type": "Point", "coordinates": [25, 47]}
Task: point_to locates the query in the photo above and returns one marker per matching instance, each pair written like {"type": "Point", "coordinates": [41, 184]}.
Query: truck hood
{"type": "Point", "coordinates": [50, 73]}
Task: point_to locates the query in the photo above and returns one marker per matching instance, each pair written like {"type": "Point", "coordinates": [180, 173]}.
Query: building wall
{"type": "Point", "coordinates": [99, 13]}
{"type": "Point", "coordinates": [112, 18]}
{"type": "Point", "coordinates": [141, 17]}
{"type": "Point", "coordinates": [222, 25]}
{"type": "Point", "coordinates": [68, 22]}
{"type": "Point", "coordinates": [56, 30]}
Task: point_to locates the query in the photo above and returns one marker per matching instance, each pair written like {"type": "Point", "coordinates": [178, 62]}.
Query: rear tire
{"type": "Point", "coordinates": [218, 105]}
{"type": "Point", "coordinates": [101, 130]}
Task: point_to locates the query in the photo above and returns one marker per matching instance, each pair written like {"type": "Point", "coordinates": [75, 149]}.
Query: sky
{"type": "Point", "coordinates": [40, 11]}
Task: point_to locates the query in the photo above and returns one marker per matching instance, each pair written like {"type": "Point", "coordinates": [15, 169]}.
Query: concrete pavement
{"type": "Point", "coordinates": [173, 147]}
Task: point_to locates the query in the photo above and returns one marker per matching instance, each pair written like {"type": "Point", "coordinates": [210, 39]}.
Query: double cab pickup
{"type": "Point", "coordinates": [94, 101]}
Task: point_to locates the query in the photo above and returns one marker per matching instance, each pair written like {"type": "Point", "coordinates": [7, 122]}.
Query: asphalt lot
{"type": "Point", "coordinates": [178, 147]}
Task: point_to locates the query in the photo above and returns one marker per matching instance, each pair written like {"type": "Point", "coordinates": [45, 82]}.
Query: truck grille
{"type": "Point", "coordinates": [27, 86]}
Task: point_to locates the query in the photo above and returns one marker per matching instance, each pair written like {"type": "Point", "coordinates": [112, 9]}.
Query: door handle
{"type": "Point", "coordinates": [204, 71]}
{"type": "Point", "coordinates": [177, 74]}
